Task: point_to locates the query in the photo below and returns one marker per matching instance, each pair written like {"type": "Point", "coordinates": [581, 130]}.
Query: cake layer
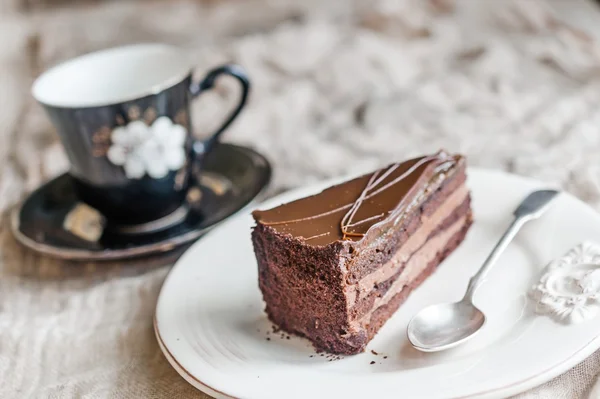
{"type": "Point", "coordinates": [408, 262]}
{"type": "Point", "coordinates": [429, 225]}
{"type": "Point", "coordinates": [384, 312]}
{"type": "Point", "coordinates": [416, 265]}
{"type": "Point", "coordinates": [352, 336]}
{"type": "Point", "coordinates": [333, 267]}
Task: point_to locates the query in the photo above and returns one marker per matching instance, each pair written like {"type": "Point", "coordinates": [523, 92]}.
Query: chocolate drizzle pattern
{"type": "Point", "coordinates": [374, 181]}
{"type": "Point", "coordinates": [360, 199]}
{"type": "Point", "coordinates": [366, 220]}
{"type": "Point", "coordinates": [316, 236]}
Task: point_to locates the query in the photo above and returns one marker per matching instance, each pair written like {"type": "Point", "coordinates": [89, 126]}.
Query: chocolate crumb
{"type": "Point", "coordinates": [288, 337]}
{"type": "Point", "coordinates": [268, 339]}
{"type": "Point", "coordinates": [311, 355]}
{"type": "Point", "coordinates": [373, 362]}
{"type": "Point", "coordinates": [373, 352]}
{"type": "Point", "coordinates": [385, 357]}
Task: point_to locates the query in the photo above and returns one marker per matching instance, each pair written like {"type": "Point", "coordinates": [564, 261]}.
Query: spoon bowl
{"type": "Point", "coordinates": [443, 326]}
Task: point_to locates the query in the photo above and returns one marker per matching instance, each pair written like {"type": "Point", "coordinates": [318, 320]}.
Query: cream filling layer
{"type": "Point", "coordinates": [415, 266]}
{"type": "Point", "coordinates": [414, 242]}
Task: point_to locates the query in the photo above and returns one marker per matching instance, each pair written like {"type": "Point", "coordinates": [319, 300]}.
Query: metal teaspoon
{"type": "Point", "coordinates": [444, 326]}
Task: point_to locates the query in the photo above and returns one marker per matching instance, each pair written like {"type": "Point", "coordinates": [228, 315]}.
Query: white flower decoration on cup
{"type": "Point", "coordinates": [154, 150]}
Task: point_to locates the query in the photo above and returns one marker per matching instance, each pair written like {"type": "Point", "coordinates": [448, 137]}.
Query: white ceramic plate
{"type": "Point", "coordinates": [211, 325]}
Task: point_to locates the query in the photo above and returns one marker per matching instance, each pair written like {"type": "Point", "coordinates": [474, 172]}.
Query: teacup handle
{"type": "Point", "coordinates": [202, 147]}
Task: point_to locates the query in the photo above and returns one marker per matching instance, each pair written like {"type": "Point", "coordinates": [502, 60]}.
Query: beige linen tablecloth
{"type": "Point", "coordinates": [339, 86]}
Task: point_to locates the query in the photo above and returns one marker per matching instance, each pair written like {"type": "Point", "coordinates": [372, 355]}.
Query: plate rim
{"type": "Point", "coordinates": [511, 389]}
{"type": "Point", "coordinates": [182, 371]}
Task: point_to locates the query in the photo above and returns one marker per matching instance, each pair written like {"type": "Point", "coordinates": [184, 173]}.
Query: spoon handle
{"type": "Point", "coordinates": [532, 207]}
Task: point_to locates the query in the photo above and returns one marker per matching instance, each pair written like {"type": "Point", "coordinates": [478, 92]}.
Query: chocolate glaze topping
{"type": "Point", "coordinates": [349, 210]}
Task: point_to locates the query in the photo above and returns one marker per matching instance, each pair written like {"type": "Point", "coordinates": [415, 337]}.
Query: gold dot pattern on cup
{"type": "Point", "coordinates": [134, 113]}
{"type": "Point", "coordinates": [102, 135]}
{"type": "Point", "coordinates": [149, 115]}
{"type": "Point", "coordinates": [101, 142]}
{"type": "Point", "coordinates": [180, 178]}
{"type": "Point", "coordinates": [194, 195]}
{"type": "Point", "coordinates": [181, 118]}
{"type": "Point", "coordinates": [100, 150]}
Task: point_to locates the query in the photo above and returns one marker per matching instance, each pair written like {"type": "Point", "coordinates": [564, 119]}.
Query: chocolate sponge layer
{"type": "Point", "coordinates": [338, 295]}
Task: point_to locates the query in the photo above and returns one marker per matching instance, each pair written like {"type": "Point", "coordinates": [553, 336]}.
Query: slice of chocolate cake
{"type": "Point", "coordinates": [335, 266]}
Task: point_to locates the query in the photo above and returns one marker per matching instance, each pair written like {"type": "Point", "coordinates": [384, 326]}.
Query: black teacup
{"type": "Point", "coordinates": [123, 116]}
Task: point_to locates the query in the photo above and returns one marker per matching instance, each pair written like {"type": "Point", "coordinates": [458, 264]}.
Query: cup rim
{"type": "Point", "coordinates": [183, 70]}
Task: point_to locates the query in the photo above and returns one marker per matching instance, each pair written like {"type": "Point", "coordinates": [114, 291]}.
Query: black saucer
{"type": "Point", "coordinates": [232, 178]}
